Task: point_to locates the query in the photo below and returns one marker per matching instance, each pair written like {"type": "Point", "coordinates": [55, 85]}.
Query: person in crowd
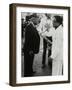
{"type": "Point", "coordinates": [31, 45]}
{"type": "Point", "coordinates": [45, 25]}
{"type": "Point", "coordinates": [57, 46]}
{"type": "Point", "coordinates": [24, 24]}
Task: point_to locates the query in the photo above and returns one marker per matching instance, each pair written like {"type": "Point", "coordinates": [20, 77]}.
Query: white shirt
{"type": "Point", "coordinates": [57, 44]}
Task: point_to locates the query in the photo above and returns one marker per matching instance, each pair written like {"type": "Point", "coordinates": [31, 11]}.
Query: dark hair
{"type": "Point", "coordinates": [48, 15]}
{"type": "Point", "coordinates": [27, 18]}
{"type": "Point", "coordinates": [59, 19]}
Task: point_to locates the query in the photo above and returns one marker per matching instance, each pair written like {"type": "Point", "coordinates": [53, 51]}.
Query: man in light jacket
{"type": "Point", "coordinates": [57, 46]}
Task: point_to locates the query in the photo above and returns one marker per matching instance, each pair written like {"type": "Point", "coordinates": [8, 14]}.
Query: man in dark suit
{"type": "Point", "coordinates": [31, 45]}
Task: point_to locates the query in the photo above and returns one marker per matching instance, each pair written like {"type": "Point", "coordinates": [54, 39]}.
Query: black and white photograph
{"type": "Point", "coordinates": [40, 45]}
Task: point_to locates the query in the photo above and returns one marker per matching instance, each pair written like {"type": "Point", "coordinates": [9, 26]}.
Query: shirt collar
{"type": "Point", "coordinates": [59, 27]}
